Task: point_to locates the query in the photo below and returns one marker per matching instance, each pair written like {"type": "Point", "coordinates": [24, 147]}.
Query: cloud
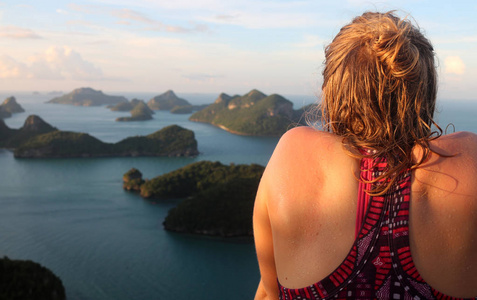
{"type": "Point", "coordinates": [15, 32]}
{"type": "Point", "coordinates": [84, 8]}
{"type": "Point", "coordinates": [259, 20]}
{"type": "Point", "coordinates": [181, 29]}
{"type": "Point", "coordinates": [129, 14]}
{"type": "Point", "coordinates": [310, 41]}
{"type": "Point", "coordinates": [54, 64]}
{"type": "Point", "coordinates": [126, 15]}
{"type": "Point", "coordinates": [10, 68]}
{"type": "Point", "coordinates": [202, 77]}
{"type": "Point", "coordinates": [454, 65]}
{"type": "Point", "coordinates": [61, 11]}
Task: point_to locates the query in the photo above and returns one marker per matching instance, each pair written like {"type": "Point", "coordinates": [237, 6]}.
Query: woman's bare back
{"type": "Point", "coordinates": [309, 194]}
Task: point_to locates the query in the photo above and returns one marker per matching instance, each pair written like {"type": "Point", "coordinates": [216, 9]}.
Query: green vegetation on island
{"type": "Point", "coordinates": [25, 279]}
{"type": "Point", "coordinates": [33, 126]}
{"type": "Point", "coordinates": [139, 112]}
{"type": "Point", "coordinates": [124, 106]}
{"type": "Point", "coordinates": [186, 109]}
{"type": "Point", "coordinates": [9, 107]}
{"type": "Point", "coordinates": [38, 139]}
{"type": "Point", "coordinates": [87, 97]}
{"type": "Point", "coordinates": [219, 198]}
{"type": "Point", "coordinates": [132, 180]}
{"type": "Point", "coordinates": [252, 114]}
{"type": "Point", "coordinates": [166, 101]}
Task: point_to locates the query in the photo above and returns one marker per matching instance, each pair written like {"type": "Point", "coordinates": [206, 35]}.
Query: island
{"type": "Point", "coordinates": [166, 101]}
{"type": "Point", "coordinates": [32, 127]}
{"type": "Point", "coordinates": [38, 139]}
{"type": "Point", "coordinates": [87, 97]}
{"type": "Point", "coordinates": [217, 199]}
{"type": "Point", "coordinates": [9, 107]}
{"type": "Point", "coordinates": [25, 279]}
{"type": "Point", "coordinates": [138, 108]}
{"type": "Point", "coordinates": [252, 114]}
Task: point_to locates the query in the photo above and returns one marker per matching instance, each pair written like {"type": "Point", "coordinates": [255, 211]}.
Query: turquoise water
{"type": "Point", "coordinates": [72, 216]}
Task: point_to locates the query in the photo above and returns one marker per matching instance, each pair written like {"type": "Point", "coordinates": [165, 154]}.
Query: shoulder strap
{"type": "Point", "coordinates": [366, 174]}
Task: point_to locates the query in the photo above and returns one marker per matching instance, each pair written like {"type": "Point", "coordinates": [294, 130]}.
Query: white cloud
{"type": "Point", "coordinates": [55, 63]}
{"type": "Point", "coordinates": [15, 32]}
{"type": "Point", "coordinates": [61, 11]}
{"type": "Point", "coordinates": [126, 15]}
{"type": "Point", "coordinates": [202, 77]}
{"type": "Point", "coordinates": [310, 41]}
{"type": "Point", "coordinates": [10, 68]}
{"type": "Point", "coordinates": [454, 65]}
{"type": "Point", "coordinates": [129, 14]}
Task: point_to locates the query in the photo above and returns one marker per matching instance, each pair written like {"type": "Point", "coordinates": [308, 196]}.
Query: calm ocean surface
{"type": "Point", "coordinates": [72, 215]}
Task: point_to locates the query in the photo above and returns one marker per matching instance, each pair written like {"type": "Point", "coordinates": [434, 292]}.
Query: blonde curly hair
{"type": "Point", "coordinates": [379, 91]}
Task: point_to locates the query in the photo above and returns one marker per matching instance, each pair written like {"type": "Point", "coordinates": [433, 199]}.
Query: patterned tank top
{"type": "Point", "coordinates": [379, 265]}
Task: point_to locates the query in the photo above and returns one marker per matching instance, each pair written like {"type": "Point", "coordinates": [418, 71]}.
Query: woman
{"type": "Point", "coordinates": [377, 205]}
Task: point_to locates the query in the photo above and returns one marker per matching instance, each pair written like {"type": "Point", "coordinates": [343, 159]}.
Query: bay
{"type": "Point", "coordinates": [72, 216]}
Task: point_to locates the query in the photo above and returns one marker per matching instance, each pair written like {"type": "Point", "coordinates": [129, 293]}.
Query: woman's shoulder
{"type": "Point", "coordinates": [462, 142]}
{"type": "Point", "coordinates": [451, 170]}
{"type": "Point", "coordinates": [304, 146]}
{"type": "Point", "coordinates": [309, 159]}
{"type": "Point", "coordinates": [306, 139]}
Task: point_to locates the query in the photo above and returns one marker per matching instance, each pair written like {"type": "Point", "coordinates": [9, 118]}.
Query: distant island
{"type": "Point", "coordinates": [9, 107]}
{"type": "Point", "coordinates": [25, 279]}
{"type": "Point", "coordinates": [87, 97]}
{"type": "Point", "coordinates": [169, 101]}
{"type": "Point", "coordinates": [38, 139]}
{"type": "Point", "coordinates": [252, 114]}
{"type": "Point", "coordinates": [218, 198]}
{"type": "Point", "coordinates": [138, 108]}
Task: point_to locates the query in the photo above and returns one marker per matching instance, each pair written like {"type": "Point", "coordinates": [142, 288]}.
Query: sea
{"type": "Point", "coordinates": [73, 217]}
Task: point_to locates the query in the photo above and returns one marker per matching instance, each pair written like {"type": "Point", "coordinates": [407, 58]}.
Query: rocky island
{"type": "Point", "coordinates": [87, 97]}
{"type": "Point", "coordinates": [252, 114]}
{"type": "Point", "coordinates": [218, 198]}
{"type": "Point", "coordinates": [169, 101]}
{"type": "Point", "coordinates": [38, 139]}
{"type": "Point", "coordinates": [25, 279]}
{"type": "Point", "coordinates": [139, 111]}
{"type": "Point", "coordinates": [9, 107]}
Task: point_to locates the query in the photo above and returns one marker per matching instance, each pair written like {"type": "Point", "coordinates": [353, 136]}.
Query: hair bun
{"type": "Point", "coordinates": [393, 45]}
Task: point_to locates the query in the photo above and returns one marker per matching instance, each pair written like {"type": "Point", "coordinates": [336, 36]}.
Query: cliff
{"type": "Point", "coordinates": [218, 198]}
{"type": "Point", "coordinates": [87, 97]}
{"type": "Point", "coordinates": [252, 114]}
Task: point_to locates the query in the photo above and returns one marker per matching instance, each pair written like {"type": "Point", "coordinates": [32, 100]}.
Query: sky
{"type": "Point", "coordinates": [209, 46]}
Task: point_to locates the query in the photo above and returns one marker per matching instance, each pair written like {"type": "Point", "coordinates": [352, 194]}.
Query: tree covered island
{"type": "Point", "coordinates": [170, 102]}
{"type": "Point", "coordinates": [38, 139]}
{"type": "Point", "coordinates": [87, 97]}
{"type": "Point", "coordinates": [25, 279]}
{"type": "Point", "coordinates": [9, 107]}
{"type": "Point", "coordinates": [138, 109]}
{"type": "Point", "coordinates": [252, 114]}
{"type": "Point", "coordinates": [218, 198]}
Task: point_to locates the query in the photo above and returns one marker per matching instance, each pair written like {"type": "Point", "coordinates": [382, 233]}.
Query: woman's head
{"type": "Point", "coordinates": [380, 85]}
